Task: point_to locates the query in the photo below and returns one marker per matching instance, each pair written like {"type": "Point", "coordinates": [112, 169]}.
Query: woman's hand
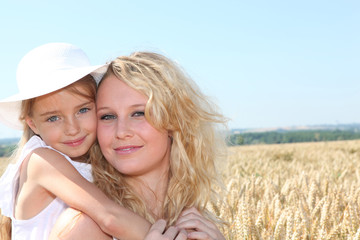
{"type": "Point", "coordinates": [198, 226]}
{"type": "Point", "coordinates": [157, 232]}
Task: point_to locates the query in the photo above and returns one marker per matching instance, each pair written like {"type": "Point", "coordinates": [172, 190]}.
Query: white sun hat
{"type": "Point", "coordinates": [43, 70]}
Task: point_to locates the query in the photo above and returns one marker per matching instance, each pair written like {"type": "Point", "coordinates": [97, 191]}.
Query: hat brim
{"type": "Point", "coordinates": [10, 106]}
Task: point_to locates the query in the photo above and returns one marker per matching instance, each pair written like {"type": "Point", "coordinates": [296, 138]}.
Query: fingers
{"type": "Point", "coordinates": [198, 226]}
{"type": "Point", "coordinates": [182, 235]}
{"type": "Point", "coordinates": [171, 233]}
{"type": "Point", "coordinates": [157, 232]}
{"type": "Point", "coordinates": [158, 226]}
{"type": "Point", "coordinates": [192, 219]}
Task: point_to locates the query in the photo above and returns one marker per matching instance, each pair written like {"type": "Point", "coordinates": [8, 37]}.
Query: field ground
{"type": "Point", "coordinates": [290, 191]}
{"type": "Point", "coordinates": [3, 163]}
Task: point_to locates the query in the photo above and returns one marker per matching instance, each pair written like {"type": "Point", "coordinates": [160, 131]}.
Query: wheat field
{"type": "Point", "coordinates": [3, 163]}
{"type": "Point", "coordinates": [290, 191]}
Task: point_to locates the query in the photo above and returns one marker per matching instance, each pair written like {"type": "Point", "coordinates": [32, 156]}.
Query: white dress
{"type": "Point", "coordinates": [38, 227]}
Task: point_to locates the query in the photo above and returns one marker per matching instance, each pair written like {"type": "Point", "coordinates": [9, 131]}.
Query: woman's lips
{"type": "Point", "coordinates": [127, 149]}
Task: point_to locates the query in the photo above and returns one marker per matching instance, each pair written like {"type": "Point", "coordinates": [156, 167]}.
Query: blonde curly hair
{"type": "Point", "coordinates": [177, 105]}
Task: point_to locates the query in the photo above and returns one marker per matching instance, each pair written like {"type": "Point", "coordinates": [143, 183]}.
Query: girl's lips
{"type": "Point", "coordinates": [75, 143]}
{"type": "Point", "coordinates": [127, 149]}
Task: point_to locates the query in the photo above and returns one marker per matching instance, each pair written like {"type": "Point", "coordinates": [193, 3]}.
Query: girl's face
{"type": "Point", "coordinates": [65, 121]}
{"type": "Point", "coordinates": [127, 140]}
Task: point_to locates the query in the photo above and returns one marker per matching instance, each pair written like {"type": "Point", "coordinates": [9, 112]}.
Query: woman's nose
{"type": "Point", "coordinates": [123, 129]}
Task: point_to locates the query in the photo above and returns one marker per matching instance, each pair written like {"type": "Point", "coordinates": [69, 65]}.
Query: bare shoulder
{"type": "Point", "coordinates": [45, 155]}
{"type": "Point", "coordinates": [46, 161]}
{"type": "Point", "coordinates": [73, 224]}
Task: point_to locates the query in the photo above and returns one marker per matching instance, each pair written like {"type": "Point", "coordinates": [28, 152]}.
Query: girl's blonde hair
{"type": "Point", "coordinates": [177, 105]}
{"type": "Point", "coordinates": [88, 84]}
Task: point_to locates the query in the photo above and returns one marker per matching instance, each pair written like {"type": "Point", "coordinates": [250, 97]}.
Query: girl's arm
{"type": "Point", "coordinates": [73, 224]}
{"type": "Point", "coordinates": [54, 173]}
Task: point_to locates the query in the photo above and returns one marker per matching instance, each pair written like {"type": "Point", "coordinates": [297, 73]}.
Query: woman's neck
{"type": "Point", "coordinates": [153, 191]}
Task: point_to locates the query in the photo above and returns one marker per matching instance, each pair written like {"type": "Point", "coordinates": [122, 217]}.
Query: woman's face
{"type": "Point", "coordinates": [127, 140]}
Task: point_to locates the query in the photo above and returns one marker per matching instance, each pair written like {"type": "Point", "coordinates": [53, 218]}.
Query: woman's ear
{"type": "Point", "coordinates": [29, 121]}
{"type": "Point", "coordinates": [170, 135]}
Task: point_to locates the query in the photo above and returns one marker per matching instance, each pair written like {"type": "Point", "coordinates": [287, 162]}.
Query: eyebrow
{"type": "Point", "coordinates": [55, 112]}
{"type": "Point", "coordinates": [132, 106]}
{"type": "Point", "coordinates": [49, 113]}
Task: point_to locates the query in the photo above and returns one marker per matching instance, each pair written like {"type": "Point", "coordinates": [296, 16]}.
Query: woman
{"type": "Point", "coordinates": [157, 134]}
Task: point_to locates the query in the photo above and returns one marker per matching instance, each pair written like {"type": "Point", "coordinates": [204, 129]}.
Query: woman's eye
{"type": "Point", "coordinates": [138, 114]}
{"type": "Point", "coordinates": [52, 119]}
{"type": "Point", "coordinates": [84, 110]}
{"type": "Point", "coordinates": [107, 117]}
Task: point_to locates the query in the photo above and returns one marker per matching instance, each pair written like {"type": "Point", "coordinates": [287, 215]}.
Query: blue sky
{"type": "Point", "coordinates": [265, 63]}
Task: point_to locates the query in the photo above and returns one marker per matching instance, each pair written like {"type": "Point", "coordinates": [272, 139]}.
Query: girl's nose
{"type": "Point", "coordinates": [72, 127]}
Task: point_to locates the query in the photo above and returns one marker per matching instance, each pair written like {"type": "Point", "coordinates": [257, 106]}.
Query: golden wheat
{"type": "Point", "coordinates": [292, 191]}
{"type": "Point", "coordinates": [3, 163]}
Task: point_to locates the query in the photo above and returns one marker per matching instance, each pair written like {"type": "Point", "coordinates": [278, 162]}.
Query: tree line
{"type": "Point", "coordinates": [7, 146]}
{"type": "Point", "coordinates": [277, 137]}
{"type": "Point", "coordinates": [251, 138]}
{"type": "Point", "coordinates": [7, 149]}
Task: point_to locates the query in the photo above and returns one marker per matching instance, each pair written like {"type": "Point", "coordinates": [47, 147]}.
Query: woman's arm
{"type": "Point", "coordinates": [198, 226]}
{"type": "Point", "coordinates": [54, 173]}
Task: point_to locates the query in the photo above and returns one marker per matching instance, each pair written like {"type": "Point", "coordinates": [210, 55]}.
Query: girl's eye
{"type": "Point", "coordinates": [107, 117]}
{"type": "Point", "coordinates": [52, 119]}
{"type": "Point", "coordinates": [138, 114]}
{"type": "Point", "coordinates": [84, 110]}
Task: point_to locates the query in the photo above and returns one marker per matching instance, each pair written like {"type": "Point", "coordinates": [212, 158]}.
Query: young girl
{"type": "Point", "coordinates": [159, 141]}
{"type": "Point", "coordinates": [52, 170]}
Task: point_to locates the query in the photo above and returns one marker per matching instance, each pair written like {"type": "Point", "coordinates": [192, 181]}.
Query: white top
{"type": "Point", "coordinates": [38, 227]}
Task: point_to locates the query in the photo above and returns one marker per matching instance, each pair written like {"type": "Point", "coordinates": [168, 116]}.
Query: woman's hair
{"type": "Point", "coordinates": [86, 83]}
{"type": "Point", "coordinates": [177, 105]}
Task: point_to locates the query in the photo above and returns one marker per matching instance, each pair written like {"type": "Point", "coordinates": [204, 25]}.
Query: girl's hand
{"type": "Point", "coordinates": [157, 232]}
{"type": "Point", "coordinates": [198, 226]}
